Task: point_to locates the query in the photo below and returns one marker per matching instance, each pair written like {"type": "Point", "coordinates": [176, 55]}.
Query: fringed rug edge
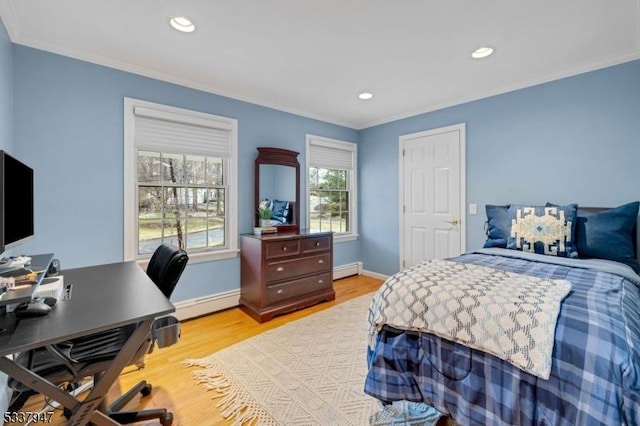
{"type": "Point", "coordinates": [236, 403]}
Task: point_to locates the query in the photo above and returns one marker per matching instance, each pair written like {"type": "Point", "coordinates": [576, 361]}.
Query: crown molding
{"type": "Point", "coordinates": [10, 20]}
{"type": "Point", "coordinates": [20, 39]}
{"type": "Point", "coordinates": [594, 66]}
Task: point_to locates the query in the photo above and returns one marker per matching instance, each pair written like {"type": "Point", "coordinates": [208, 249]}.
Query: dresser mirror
{"type": "Point", "coordinates": [277, 186]}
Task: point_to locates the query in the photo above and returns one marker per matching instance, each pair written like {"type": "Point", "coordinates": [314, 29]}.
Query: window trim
{"type": "Point", "coordinates": [130, 179]}
{"type": "Point", "coordinates": [352, 183]}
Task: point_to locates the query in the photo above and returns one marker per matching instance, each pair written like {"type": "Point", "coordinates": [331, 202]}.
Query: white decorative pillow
{"type": "Point", "coordinates": [543, 229]}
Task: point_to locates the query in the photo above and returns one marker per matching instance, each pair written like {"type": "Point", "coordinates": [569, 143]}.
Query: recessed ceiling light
{"type": "Point", "coordinates": [365, 96]}
{"type": "Point", "coordinates": [482, 52]}
{"type": "Point", "coordinates": [182, 24]}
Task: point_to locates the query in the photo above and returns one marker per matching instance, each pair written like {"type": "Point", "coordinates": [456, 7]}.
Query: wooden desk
{"type": "Point", "coordinates": [102, 297]}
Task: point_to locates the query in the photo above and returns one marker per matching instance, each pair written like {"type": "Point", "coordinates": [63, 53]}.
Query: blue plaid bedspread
{"type": "Point", "coordinates": [595, 369]}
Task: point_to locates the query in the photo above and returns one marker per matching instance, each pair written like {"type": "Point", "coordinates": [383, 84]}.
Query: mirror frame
{"type": "Point", "coordinates": [282, 157]}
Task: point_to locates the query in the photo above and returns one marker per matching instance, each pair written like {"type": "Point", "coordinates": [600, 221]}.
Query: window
{"type": "Point", "coordinates": [331, 187]}
{"type": "Point", "coordinates": [180, 181]}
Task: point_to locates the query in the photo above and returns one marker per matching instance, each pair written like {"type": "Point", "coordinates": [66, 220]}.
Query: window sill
{"type": "Point", "coordinates": [344, 238]}
{"type": "Point", "coordinates": [201, 257]}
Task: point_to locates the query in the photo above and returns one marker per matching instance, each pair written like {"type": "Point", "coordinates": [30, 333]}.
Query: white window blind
{"type": "Point", "coordinates": [332, 186]}
{"type": "Point", "coordinates": [159, 130]}
{"type": "Point", "coordinates": [328, 155]}
{"type": "Point", "coordinates": [174, 132]}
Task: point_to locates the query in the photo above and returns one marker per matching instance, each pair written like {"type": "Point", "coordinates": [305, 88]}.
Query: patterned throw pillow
{"type": "Point", "coordinates": [544, 229]}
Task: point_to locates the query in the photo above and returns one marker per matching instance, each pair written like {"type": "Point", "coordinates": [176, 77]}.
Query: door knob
{"type": "Point", "coordinates": [453, 222]}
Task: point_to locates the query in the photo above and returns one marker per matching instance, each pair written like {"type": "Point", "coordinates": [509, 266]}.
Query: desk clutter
{"type": "Point", "coordinates": [14, 262]}
{"type": "Point", "coordinates": [51, 287]}
{"type": "Point", "coordinates": [29, 278]}
{"type": "Point", "coordinates": [20, 292]}
{"type": "Point", "coordinates": [43, 298]}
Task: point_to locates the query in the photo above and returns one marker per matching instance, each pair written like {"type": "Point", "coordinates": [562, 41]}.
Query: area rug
{"type": "Point", "coordinates": [307, 372]}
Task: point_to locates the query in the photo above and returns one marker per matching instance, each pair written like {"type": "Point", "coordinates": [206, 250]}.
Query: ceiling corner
{"type": "Point", "coordinates": [10, 20]}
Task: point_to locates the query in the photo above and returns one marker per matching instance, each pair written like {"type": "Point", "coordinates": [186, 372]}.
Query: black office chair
{"type": "Point", "coordinates": [74, 360]}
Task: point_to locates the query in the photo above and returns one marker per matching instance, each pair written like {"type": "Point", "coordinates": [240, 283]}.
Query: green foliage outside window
{"type": "Point", "coordinates": [328, 200]}
{"type": "Point", "coordinates": [181, 201]}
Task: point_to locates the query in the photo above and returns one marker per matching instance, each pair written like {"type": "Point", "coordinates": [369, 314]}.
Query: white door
{"type": "Point", "coordinates": [432, 195]}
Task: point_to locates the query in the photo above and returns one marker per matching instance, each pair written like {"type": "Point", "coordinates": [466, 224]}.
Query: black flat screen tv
{"type": "Point", "coordinates": [16, 202]}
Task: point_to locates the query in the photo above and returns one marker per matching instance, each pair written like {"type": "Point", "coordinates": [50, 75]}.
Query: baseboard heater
{"type": "Point", "coordinates": [205, 305]}
{"type": "Point", "coordinates": [193, 308]}
{"type": "Point", "coordinates": [347, 270]}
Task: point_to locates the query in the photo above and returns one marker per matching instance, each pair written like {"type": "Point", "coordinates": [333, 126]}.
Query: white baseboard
{"type": "Point", "coordinates": [347, 270]}
{"type": "Point", "coordinates": [205, 305]}
{"type": "Point", "coordinates": [375, 274]}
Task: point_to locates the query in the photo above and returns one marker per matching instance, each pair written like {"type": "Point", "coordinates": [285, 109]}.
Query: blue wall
{"type": "Point", "coordinates": [6, 91]}
{"type": "Point", "coordinates": [571, 140]}
{"type": "Point", "coordinates": [69, 127]}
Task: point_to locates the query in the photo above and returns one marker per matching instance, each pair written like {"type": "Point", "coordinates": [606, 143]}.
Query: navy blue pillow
{"type": "Point", "coordinates": [609, 234]}
{"type": "Point", "coordinates": [280, 211]}
{"type": "Point", "coordinates": [498, 226]}
{"type": "Point", "coordinates": [546, 230]}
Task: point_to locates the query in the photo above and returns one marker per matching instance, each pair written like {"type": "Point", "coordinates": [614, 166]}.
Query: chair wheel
{"type": "Point", "coordinates": [146, 391]}
{"type": "Point", "coordinates": [167, 420]}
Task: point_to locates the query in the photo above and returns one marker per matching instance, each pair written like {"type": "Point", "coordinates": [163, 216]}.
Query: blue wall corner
{"type": "Point", "coordinates": [69, 127]}
{"type": "Point", "coordinates": [571, 140]}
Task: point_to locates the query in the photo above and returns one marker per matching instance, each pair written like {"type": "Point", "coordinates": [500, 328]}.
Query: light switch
{"type": "Point", "coordinates": [473, 208]}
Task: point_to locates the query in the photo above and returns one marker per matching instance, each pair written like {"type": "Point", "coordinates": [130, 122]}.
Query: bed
{"type": "Point", "coordinates": [592, 374]}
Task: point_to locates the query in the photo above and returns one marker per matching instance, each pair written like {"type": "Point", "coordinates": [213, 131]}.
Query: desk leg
{"type": "Point", "coordinates": [47, 388]}
{"type": "Point", "coordinates": [85, 410]}
{"type": "Point", "coordinates": [35, 382]}
{"type": "Point", "coordinates": [106, 380]}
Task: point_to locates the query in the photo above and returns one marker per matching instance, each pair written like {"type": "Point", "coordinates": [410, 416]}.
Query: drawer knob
{"type": "Point", "coordinates": [320, 281]}
{"type": "Point", "coordinates": [284, 248]}
{"type": "Point", "coordinates": [317, 243]}
{"type": "Point", "coordinates": [320, 261]}
{"type": "Point", "coordinates": [280, 291]}
{"type": "Point", "coordinates": [280, 268]}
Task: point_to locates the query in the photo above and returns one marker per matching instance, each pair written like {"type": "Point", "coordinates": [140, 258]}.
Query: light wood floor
{"type": "Point", "coordinates": [173, 386]}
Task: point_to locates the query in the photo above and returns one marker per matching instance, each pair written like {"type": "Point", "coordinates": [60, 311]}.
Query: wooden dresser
{"type": "Point", "coordinates": [285, 271]}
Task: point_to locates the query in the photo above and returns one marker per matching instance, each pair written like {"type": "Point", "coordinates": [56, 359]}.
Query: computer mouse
{"type": "Point", "coordinates": [33, 309]}
{"type": "Point", "coordinates": [50, 301]}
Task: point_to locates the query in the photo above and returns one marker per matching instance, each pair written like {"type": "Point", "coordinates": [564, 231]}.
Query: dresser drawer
{"type": "Point", "coordinates": [290, 268]}
{"type": "Point", "coordinates": [315, 244]}
{"type": "Point", "coordinates": [296, 288]}
{"type": "Point", "coordinates": [275, 249]}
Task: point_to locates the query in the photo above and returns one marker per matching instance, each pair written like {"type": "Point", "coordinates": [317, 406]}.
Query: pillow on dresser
{"type": "Point", "coordinates": [609, 234]}
{"type": "Point", "coordinates": [498, 226]}
{"type": "Point", "coordinates": [546, 230]}
{"type": "Point", "coordinates": [280, 211]}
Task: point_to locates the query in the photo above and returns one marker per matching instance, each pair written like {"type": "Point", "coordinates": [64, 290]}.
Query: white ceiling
{"type": "Point", "coordinates": [313, 57]}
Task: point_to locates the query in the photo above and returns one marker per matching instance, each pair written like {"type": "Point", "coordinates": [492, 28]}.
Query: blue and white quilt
{"type": "Point", "coordinates": [594, 377]}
